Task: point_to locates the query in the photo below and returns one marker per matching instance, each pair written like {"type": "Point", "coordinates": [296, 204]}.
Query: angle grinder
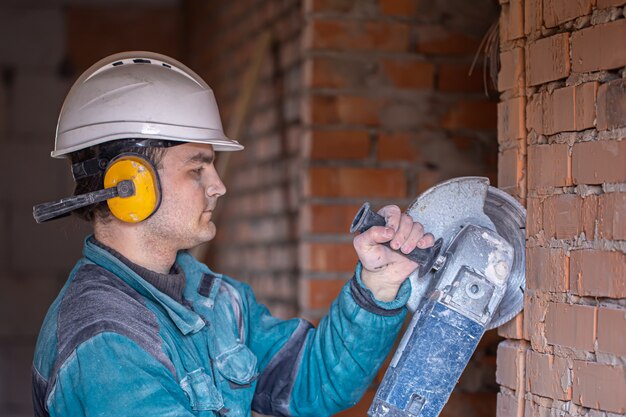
{"type": "Point", "coordinates": [471, 280]}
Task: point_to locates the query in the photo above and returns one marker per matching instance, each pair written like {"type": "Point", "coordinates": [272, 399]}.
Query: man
{"type": "Point", "coordinates": [143, 328]}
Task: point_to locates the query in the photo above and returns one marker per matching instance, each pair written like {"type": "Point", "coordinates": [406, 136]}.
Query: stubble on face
{"type": "Point", "coordinates": [184, 218]}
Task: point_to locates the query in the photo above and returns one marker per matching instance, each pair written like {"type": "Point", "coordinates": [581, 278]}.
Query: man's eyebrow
{"type": "Point", "coordinates": [202, 158]}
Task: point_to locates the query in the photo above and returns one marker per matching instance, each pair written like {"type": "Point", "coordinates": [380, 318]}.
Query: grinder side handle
{"type": "Point", "coordinates": [366, 218]}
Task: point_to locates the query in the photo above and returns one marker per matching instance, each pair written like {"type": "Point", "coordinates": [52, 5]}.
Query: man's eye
{"type": "Point", "coordinates": [197, 171]}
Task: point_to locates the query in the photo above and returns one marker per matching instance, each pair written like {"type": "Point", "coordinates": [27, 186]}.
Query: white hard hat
{"type": "Point", "coordinates": [139, 95]}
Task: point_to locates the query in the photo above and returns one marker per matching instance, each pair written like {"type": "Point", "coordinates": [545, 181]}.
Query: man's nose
{"type": "Point", "coordinates": [215, 186]}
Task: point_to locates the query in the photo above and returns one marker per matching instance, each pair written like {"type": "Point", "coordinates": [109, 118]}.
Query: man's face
{"type": "Point", "coordinates": [190, 188]}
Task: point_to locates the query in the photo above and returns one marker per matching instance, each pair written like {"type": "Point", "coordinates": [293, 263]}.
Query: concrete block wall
{"type": "Point", "coordinates": [562, 124]}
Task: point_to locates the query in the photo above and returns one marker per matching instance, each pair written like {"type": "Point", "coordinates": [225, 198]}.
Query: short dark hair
{"type": "Point", "coordinates": [95, 182]}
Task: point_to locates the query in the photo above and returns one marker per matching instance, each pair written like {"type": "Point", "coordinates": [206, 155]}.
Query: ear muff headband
{"type": "Point", "coordinates": [147, 197]}
{"type": "Point", "coordinates": [132, 191]}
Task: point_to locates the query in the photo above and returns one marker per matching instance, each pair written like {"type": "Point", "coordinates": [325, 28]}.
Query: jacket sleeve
{"type": "Point", "coordinates": [110, 375]}
{"type": "Point", "coordinates": [317, 372]}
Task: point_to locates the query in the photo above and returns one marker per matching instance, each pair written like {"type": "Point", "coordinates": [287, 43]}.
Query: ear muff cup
{"type": "Point", "coordinates": [144, 176]}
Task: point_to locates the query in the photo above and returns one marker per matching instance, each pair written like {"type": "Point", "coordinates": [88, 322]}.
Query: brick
{"type": "Point", "coordinates": [37, 102]}
{"type": "Point", "coordinates": [323, 72]}
{"type": "Point", "coordinates": [562, 216]}
{"type": "Point", "coordinates": [612, 105]}
{"type": "Point", "coordinates": [612, 216]}
{"type": "Point", "coordinates": [328, 257]}
{"type": "Point", "coordinates": [535, 308]}
{"type": "Point", "coordinates": [510, 169]}
{"type": "Point", "coordinates": [599, 162]}
{"type": "Point", "coordinates": [534, 216]}
{"type": "Point", "coordinates": [439, 40]}
{"type": "Point", "coordinates": [511, 120]}
{"type": "Point", "coordinates": [603, 4]}
{"type": "Point", "coordinates": [396, 147]}
{"type": "Point", "coordinates": [339, 144]}
{"type": "Point", "coordinates": [317, 218]}
{"type": "Point", "coordinates": [350, 35]}
{"type": "Point", "coordinates": [506, 405]}
{"type": "Point", "coordinates": [327, 110]}
{"type": "Point", "coordinates": [471, 114]}
{"type": "Point", "coordinates": [533, 16]}
{"type": "Point", "coordinates": [548, 376]}
{"type": "Point", "coordinates": [319, 293]}
{"type": "Point", "coordinates": [596, 386]}
{"type": "Point", "coordinates": [400, 8]}
{"type": "Point", "coordinates": [556, 12]}
{"type": "Point", "coordinates": [93, 33]}
{"type": "Point", "coordinates": [598, 273]}
{"type": "Point", "coordinates": [516, 19]}
{"type": "Point", "coordinates": [589, 216]}
{"type": "Point", "coordinates": [39, 291]}
{"type": "Point", "coordinates": [410, 75]}
{"type": "Point", "coordinates": [554, 51]}
{"type": "Point", "coordinates": [587, 55]}
{"type": "Point", "coordinates": [547, 269]}
{"type": "Point", "coordinates": [548, 166]}
{"type": "Point", "coordinates": [511, 75]}
{"type": "Point", "coordinates": [572, 326]}
{"type": "Point", "coordinates": [356, 182]}
{"type": "Point", "coordinates": [611, 331]}
{"type": "Point", "coordinates": [513, 329]}
{"type": "Point", "coordinates": [507, 371]}
{"type": "Point", "coordinates": [569, 108]}
{"type": "Point", "coordinates": [38, 30]}
{"type": "Point", "coordinates": [534, 113]}
{"type": "Point", "coordinates": [455, 77]}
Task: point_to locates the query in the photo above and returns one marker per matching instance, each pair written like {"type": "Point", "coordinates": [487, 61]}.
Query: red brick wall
{"type": "Point", "coordinates": [562, 121]}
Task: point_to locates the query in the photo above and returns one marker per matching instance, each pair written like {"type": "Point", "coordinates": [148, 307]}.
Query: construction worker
{"type": "Point", "coordinates": [141, 327]}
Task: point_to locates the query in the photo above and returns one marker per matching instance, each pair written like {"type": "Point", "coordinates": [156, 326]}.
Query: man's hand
{"type": "Point", "coordinates": [384, 270]}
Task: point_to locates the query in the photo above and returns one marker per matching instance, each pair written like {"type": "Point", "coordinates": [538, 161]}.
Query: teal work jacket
{"type": "Point", "coordinates": [114, 345]}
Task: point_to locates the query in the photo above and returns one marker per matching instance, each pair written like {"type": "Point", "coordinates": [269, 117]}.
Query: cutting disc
{"type": "Point", "coordinates": [449, 206]}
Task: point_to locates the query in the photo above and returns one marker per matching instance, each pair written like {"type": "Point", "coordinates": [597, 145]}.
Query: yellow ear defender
{"type": "Point", "coordinates": [131, 189]}
{"type": "Point", "coordinates": [147, 196]}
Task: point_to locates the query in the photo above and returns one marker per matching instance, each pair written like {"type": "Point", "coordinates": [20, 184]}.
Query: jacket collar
{"type": "Point", "coordinates": [185, 319]}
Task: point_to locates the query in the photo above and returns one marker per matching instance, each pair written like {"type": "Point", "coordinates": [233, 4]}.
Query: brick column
{"type": "Point", "coordinates": [562, 121]}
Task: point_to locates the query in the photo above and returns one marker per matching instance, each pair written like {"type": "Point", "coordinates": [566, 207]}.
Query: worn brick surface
{"type": "Point", "coordinates": [397, 147]}
{"type": "Point", "coordinates": [508, 371]}
{"type": "Point", "coordinates": [598, 273]}
{"type": "Point", "coordinates": [562, 216]}
{"type": "Point", "coordinates": [553, 52]}
{"type": "Point", "coordinates": [612, 105]}
{"type": "Point", "coordinates": [548, 166]}
{"type": "Point", "coordinates": [533, 16]}
{"type": "Point", "coordinates": [513, 329]}
{"type": "Point", "coordinates": [569, 108]}
{"type": "Point", "coordinates": [588, 56]}
{"type": "Point", "coordinates": [612, 216]}
{"type": "Point", "coordinates": [506, 405]}
{"type": "Point", "coordinates": [597, 386]}
{"type": "Point", "coordinates": [510, 172]}
{"type": "Point", "coordinates": [511, 75]}
{"type": "Point", "coordinates": [548, 376]}
{"type": "Point", "coordinates": [611, 330]}
{"type": "Point", "coordinates": [556, 12]}
{"type": "Point", "coordinates": [352, 110]}
{"type": "Point", "coordinates": [571, 325]}
{"type": "Point", "coordinates": [547, 269]}
{"type": "Point", "coordinates": [599, 162]}
{"type": "Point", "coordinates": [511, 119]}
{"type": "Point", "coordinates": [609, 3]}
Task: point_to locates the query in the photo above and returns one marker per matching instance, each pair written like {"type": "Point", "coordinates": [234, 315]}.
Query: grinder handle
{"type": "Point", "coordinates": [366, 218]}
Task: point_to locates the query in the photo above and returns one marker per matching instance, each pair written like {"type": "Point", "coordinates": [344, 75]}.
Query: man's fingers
{"type": "Point", "coordinates": [403, 232]}
{"type": "Point", "coordinates": [426, 241]}
{"type": "Point", "coordinates": [392, 216]}
{"type": "Point", "coordinates": [373, 236]}
{"type": "Point", "coordinates": [417, 233]}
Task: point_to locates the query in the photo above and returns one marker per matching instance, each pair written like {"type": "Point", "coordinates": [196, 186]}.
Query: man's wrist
{"type": "Point", "coordinates": [381, 290]}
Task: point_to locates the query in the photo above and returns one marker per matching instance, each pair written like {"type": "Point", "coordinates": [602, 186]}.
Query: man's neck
{"type": "Point", "coordinates": [141, 250]}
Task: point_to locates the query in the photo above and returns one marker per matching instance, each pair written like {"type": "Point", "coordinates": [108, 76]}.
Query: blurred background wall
{"type": "Point", "coordinates": [356, 100]}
